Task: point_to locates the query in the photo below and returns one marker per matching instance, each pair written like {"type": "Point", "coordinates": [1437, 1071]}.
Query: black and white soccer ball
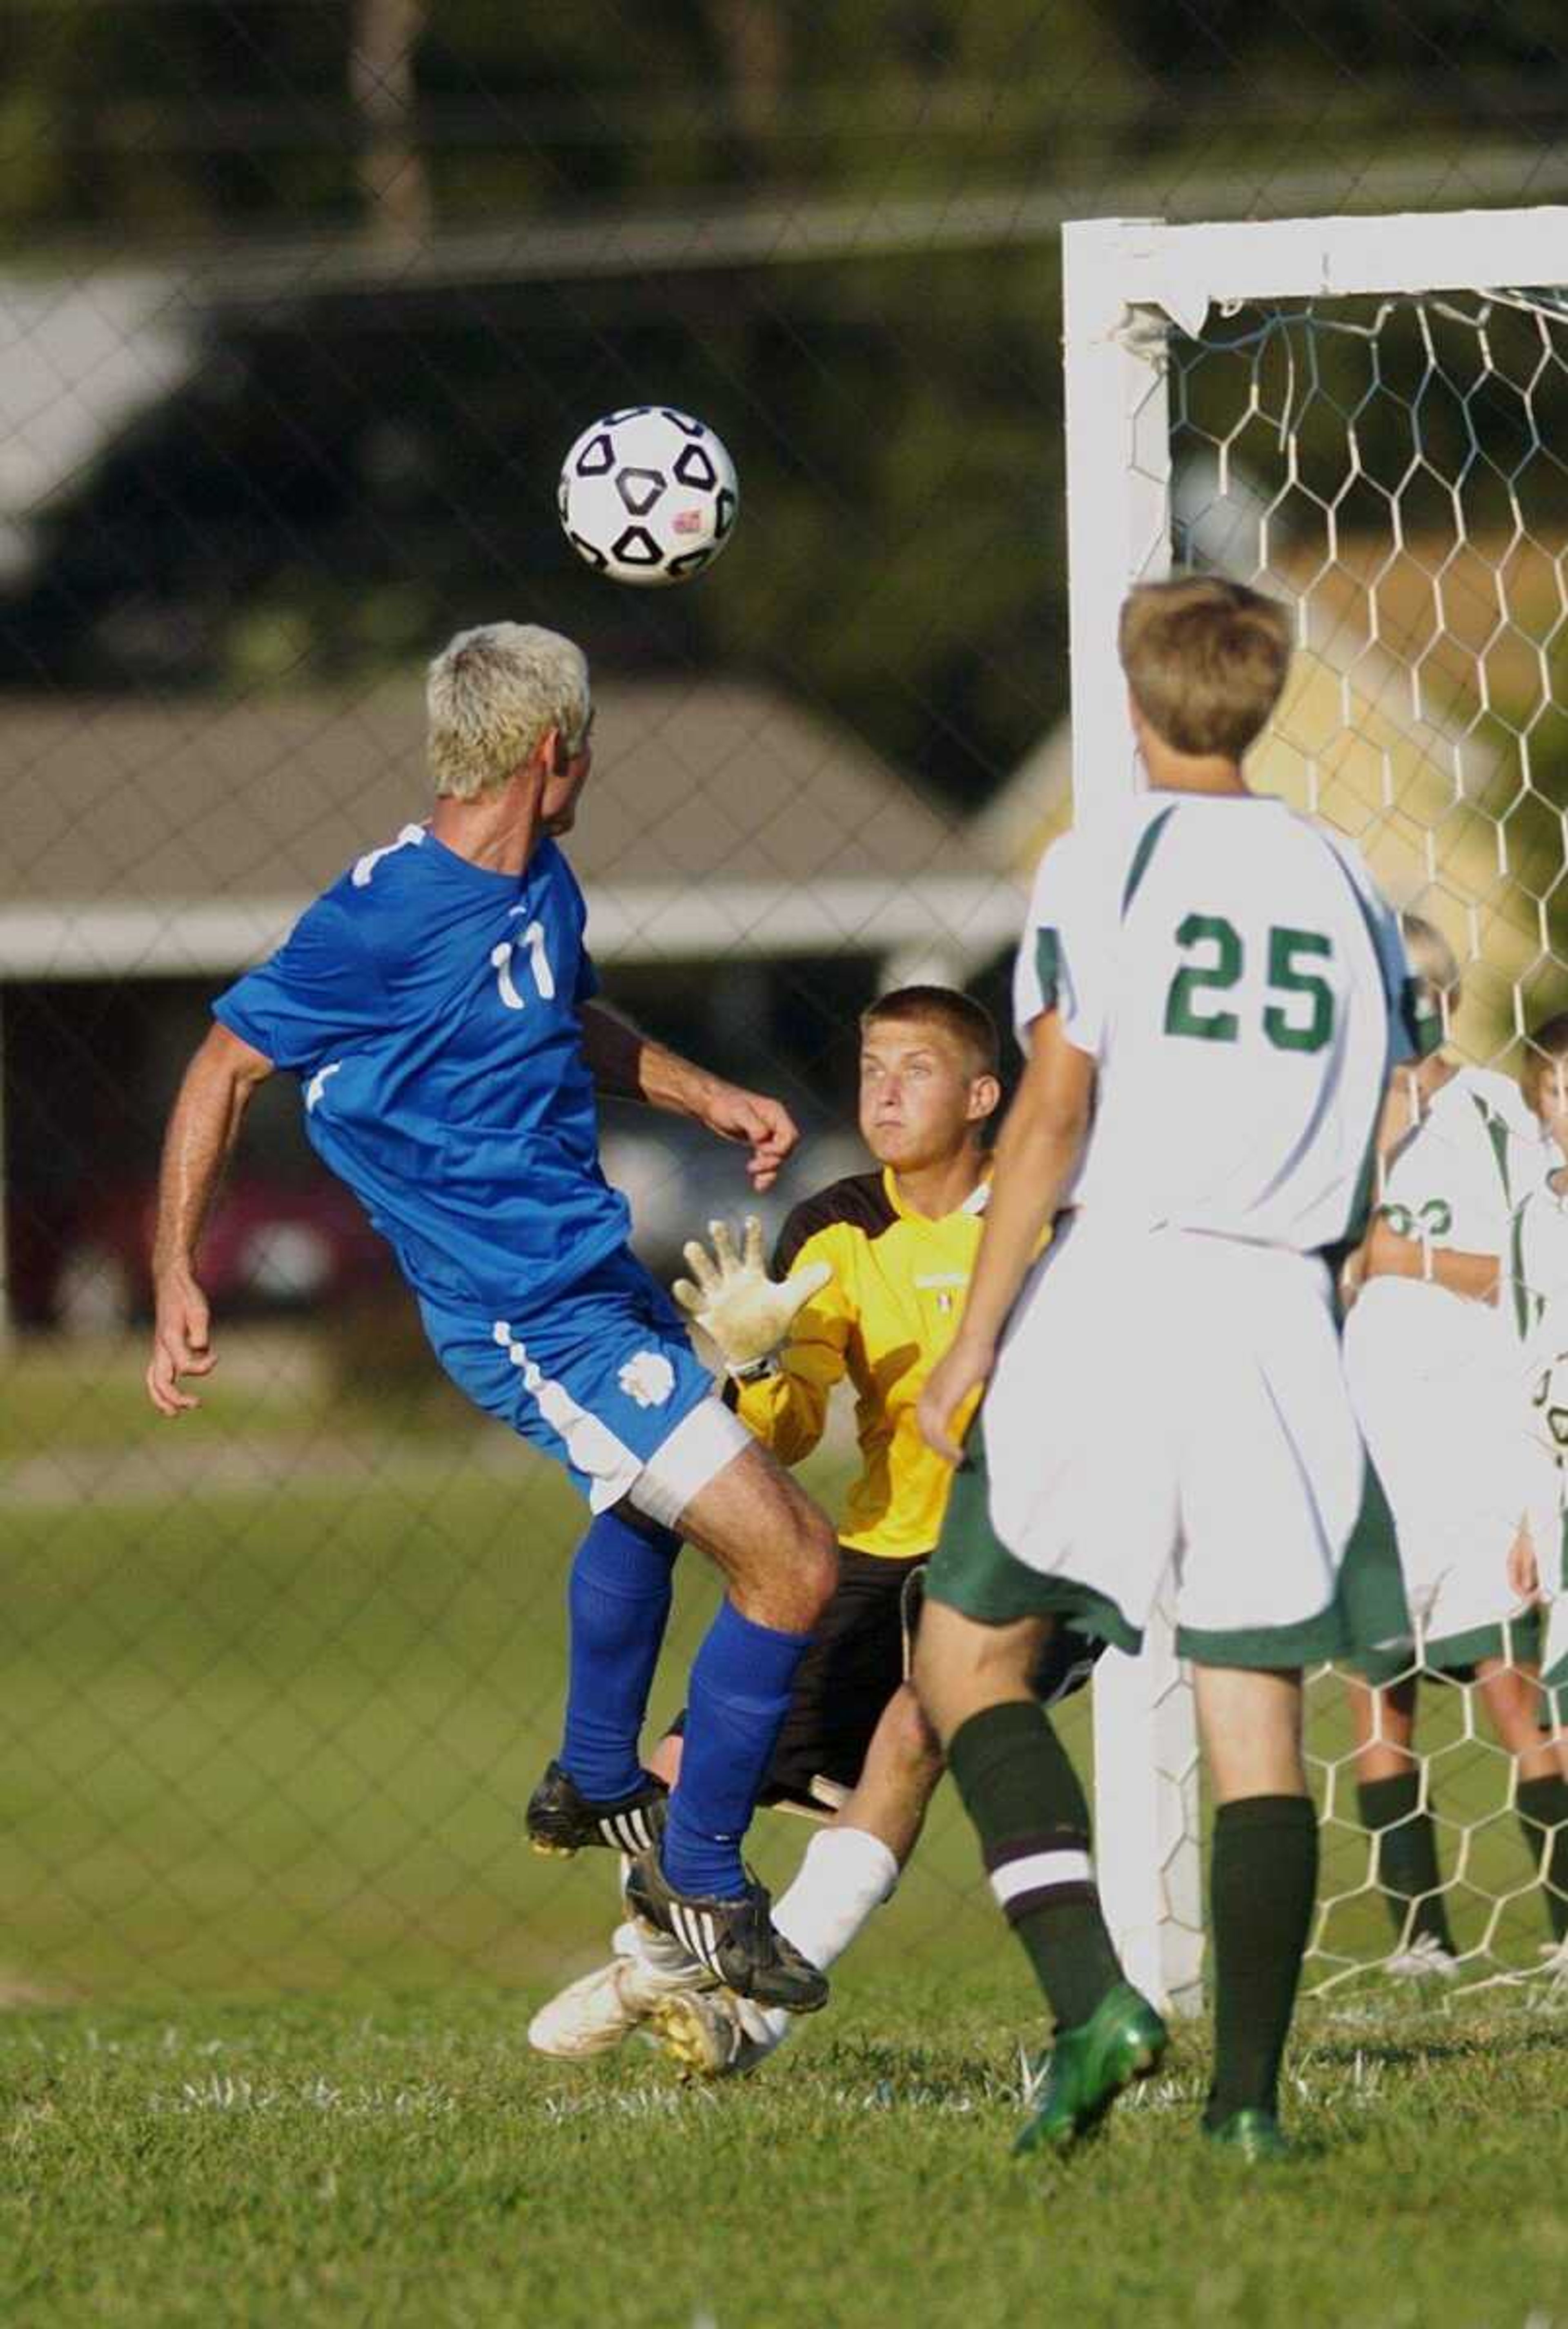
{"type": "Point", "coordinates": [649, 495]}
{"type": "Point", "coordinates": [1549, 1407]}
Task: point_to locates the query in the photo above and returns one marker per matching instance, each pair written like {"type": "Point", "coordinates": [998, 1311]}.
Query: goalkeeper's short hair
{"type": "Point", "coordinates": [943, 1006]}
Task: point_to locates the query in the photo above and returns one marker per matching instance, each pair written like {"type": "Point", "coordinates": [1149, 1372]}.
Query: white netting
{"type": "Point", "coordinates": [1390, 467]}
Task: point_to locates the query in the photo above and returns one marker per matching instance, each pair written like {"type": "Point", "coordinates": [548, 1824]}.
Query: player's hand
{"type": "Point", "coordinates": [736, 1304]}
{"type": "Point", "coordinates": [766, 1125]}
{"type": "Point", "coordinates": [946, 1401]}
{"type": "Point", "coordinates": [182, 1344]}
{"type": "Point", "coordinates": [1524, 1569]}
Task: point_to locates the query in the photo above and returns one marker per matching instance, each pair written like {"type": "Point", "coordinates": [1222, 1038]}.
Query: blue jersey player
{"type": "Point", "coordinates": [435, 1006]}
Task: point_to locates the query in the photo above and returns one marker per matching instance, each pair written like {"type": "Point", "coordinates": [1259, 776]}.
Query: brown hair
{"type": "Point", "coordinates": [1545, 1046]}
{"type": "Point", "coordinates": [960, 1014]}
{"type": "Point", "coordinates": [1206, 660]}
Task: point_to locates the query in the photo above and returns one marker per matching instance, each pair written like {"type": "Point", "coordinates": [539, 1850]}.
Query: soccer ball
{"type": "Point", "coordinates": [648, 495]}
{"type": "Point", "coordinates": [1549, 1407]}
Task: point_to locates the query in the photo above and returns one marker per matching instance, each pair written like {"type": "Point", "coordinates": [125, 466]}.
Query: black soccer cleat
{"type": "Point", "coordinates": [735, 1940]}
{"type": "Point", "coordinates": [561, 1819]}
{"type": "Point", "coordinates": [1065, 1664]}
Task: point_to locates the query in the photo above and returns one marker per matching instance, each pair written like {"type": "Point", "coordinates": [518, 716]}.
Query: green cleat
{"type": "Point", "coordinates": [1255, 2136]}
{"type": "Point", "coordinates": [1086, 2067]}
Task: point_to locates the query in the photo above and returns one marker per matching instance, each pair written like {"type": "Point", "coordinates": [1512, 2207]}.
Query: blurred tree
{"type": "Point", "coordinates": [183, 115]}
{"type": "Point", "coordinates": [753, 45]}
{"type": "Point", "coordinates": [347, 476]}
{"type": "Point", "coordinates": [381, 78]}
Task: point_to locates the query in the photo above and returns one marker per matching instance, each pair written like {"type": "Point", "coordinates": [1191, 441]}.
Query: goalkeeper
{"type": "Point", "coordinates": [895, 1248]}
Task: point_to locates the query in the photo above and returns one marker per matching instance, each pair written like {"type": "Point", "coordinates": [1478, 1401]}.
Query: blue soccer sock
{"type": "Point", "coordinates": [618, 1600]}
{"type": "Point", "coordinates": [738, 1695]}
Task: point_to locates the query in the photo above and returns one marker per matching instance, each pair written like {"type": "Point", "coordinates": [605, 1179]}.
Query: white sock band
{"type": "Point", "coordinates": [1036, 1874]}
{"type": "Point", "coordinates": [846, 1873]}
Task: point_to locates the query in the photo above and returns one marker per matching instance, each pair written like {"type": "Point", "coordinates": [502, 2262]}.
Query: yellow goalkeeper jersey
{"type": "Point", "coordinates": [885, 1319]}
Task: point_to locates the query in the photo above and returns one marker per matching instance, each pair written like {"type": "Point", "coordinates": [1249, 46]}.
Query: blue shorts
{"type": "Point", "coordinates": [603, 1378]}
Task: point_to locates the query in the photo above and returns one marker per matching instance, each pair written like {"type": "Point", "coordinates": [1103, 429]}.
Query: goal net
{"type": "Point", "coordinates": [1368, 419]}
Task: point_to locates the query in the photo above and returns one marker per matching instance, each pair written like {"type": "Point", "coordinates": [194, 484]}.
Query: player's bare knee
{"type": "Point", "coordinates": [777, 1548]}
{"type": "Point", "coordinates": [801, 1541]}
{"type": "Point", "coordinates": [962, 1667]}
{"type": "Point", "coordinates": [818, 1556]}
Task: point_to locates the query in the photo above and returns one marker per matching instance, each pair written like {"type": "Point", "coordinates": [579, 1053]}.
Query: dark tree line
{"type": "Point", "coordinates": [344, 477]}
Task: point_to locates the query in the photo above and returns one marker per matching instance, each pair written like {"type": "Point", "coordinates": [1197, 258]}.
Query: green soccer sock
{"type": "Point", "coordinates": [1262, 1883]}
{"type": "Point", "coordinates": [1393, 1814]}
{"type": "Point", "coordinates": [1023, 1795]}
{"type": "Point", "coordinates": [1543, 1806]}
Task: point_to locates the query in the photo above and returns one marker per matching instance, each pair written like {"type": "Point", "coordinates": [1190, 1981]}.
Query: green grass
{"type": "Point", "coordinates": [273, 1687]}
{"type": "Point", "coordinates": [274, 1681]}
{"type": "Point", "coordinates": [321, 2163]}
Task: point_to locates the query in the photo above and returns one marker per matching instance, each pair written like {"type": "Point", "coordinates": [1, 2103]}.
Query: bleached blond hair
{"type": "Point", "coordinates": [492, 695]}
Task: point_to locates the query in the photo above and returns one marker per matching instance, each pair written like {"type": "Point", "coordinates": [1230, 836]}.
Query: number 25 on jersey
{"type": "Point", "coordinates": [1300, 1017]}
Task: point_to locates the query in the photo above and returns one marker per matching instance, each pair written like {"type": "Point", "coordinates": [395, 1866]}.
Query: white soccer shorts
{"type": "Point", "coordinates": [1167, 1400]}
{"type": "Point", "coordinates": [1436, 1389]}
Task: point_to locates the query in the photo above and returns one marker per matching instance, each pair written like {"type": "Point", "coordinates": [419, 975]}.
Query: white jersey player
{"type": "Point", "coordinates": [1432, 1353]}
{"type": "Point", "coordinates": [1211, 993]}
{"type": "Point", "coordinates": [1428, 1348]}
{"type": "Point", "coordinates": [1241, 985]}
{"type": "Point", "coordinates": [1540, 1263]}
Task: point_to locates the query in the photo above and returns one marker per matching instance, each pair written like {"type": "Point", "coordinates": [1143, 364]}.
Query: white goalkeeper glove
{"type": "Point", "coordinates": [735, 1304]}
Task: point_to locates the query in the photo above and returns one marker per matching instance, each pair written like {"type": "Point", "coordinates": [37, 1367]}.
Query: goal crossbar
{"type": "Point", "coordinates": [1184, 270]}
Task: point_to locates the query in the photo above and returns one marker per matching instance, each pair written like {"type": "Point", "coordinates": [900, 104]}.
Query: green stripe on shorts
{"type": "Point", "coordinates": [1515, 1640]}
{"type": "Point", "coordinates": [1367, 1614]}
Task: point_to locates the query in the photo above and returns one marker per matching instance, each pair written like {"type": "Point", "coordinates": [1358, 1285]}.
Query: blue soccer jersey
{"type": "Point", "coordinates": [430, 1009]}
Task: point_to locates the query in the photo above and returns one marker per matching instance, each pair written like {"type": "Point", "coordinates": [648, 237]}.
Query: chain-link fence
{"type": "Point", "coordinates": [313, 301]}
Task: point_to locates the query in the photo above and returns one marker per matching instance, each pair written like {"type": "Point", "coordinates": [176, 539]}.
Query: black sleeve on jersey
{"type": "Point", "coordinates": [860, 1200]}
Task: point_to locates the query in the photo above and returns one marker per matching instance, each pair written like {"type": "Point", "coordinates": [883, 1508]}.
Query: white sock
{"type": "Point", "coordinates": [846, 1873]}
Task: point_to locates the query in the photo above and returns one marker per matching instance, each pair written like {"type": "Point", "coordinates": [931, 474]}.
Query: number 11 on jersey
{"type": "Point", "coordinates": [501, 955]}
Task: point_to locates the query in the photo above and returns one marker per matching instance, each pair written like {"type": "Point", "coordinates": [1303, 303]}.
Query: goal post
{"type": "Point", "coordinates": [1355, 413]}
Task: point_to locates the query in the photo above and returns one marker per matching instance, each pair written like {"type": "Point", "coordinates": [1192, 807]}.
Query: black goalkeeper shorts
{"type": "Point", "coordinates": [859, 1655]}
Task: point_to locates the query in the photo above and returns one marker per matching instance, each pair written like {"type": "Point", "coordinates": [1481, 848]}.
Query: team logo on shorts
{"type": "Point", "coordinates": [649, 1378]}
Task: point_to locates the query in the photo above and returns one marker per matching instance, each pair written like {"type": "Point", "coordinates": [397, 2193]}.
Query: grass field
{"type": "Point", "coordinates": [274, 1681]}
{"type": "Point", "coordinates": [273, 1685]}
{"type": "Point", "coordinates": [321, 2163]}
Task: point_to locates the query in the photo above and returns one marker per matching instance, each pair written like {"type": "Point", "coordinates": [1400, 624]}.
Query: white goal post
{"type": "Point", "coordinates": [1132, 290]}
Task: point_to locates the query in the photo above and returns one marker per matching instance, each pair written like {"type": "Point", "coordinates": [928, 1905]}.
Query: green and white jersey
{"type": "Point", "coordinates": [1456, 1178]}
{"type": "Point", "coordinates": [1538, 1311]}
{"type": "Point", "coordinates": [1242, 986]}
{"type": "Point", "coordinates": [1535, 1296]}
{"type": "Point", "coordinates": [1436, 1380]}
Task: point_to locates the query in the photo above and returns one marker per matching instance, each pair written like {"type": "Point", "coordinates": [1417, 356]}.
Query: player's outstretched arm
{"type": "Point", "coordinates": [734, 1302]}
{"type": "Point", "coordinates": [625, 1065]}
{"type": "Point", "coordinates": [1387, 1254]}
{"type": "Point", "coordinates": [1045, 1129]}
{"type": "Point", "coordinates": [202, 1131]}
